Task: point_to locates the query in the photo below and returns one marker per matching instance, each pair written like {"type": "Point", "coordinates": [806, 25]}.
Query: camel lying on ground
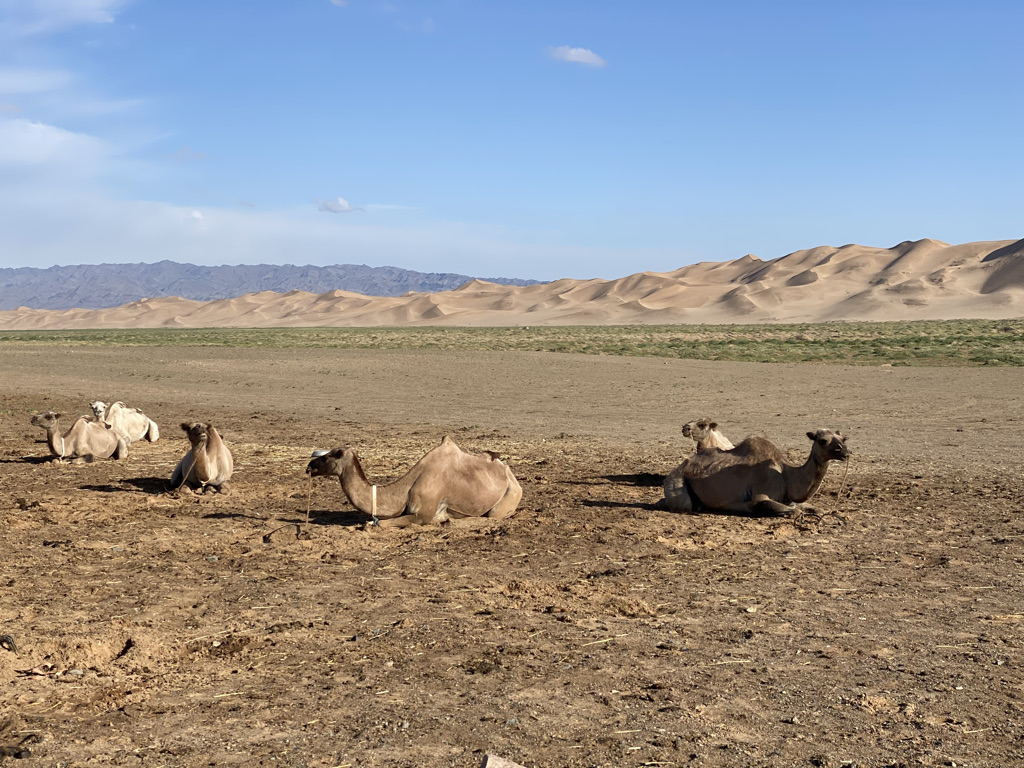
{"type": "Point", "coordinates": [131, 423]}
{"type": "Point", "coordinates": [754, 477]}
{"type": "Point", "coordinates": [705, 434]}
{"type": "Point", "coordinates": [445, 484]}
{"type": "Point", "coordinates": [84, 441]}
{"type": "Point", "coordinates": [208, 464]}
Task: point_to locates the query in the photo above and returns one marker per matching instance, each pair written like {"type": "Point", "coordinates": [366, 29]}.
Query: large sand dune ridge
{"type": "Point", "coordinates": [915, 280]}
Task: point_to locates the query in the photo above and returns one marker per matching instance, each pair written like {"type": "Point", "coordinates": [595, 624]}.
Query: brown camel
{"type": "Point", "coordinates": [208, 464]}
{"type": "Point", "coordinates": [130, 423]}
{"type": "Point", "coordinates": [445, 484]}
{"type": "Point", "coordinates": [705, 434]}
{"type": "Point", "coordinates": [754, 477]}
{"type": "Point", "coordinates": [85, 441]}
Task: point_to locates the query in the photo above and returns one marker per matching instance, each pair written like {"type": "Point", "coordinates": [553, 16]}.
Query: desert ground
{"type": "Point", "coordinates": [591, 629]}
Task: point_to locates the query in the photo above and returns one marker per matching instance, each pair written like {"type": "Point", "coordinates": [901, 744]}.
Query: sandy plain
{"type": "Point", "coordinates": [591, 629]}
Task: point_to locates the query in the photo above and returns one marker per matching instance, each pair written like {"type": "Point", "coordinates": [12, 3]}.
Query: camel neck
{"type": "Point", "coordinates": [804, 480]}
{"type": "Point", "coordinates": [370, 499]}
{"type": "Point", "coordinates": [55, 440]}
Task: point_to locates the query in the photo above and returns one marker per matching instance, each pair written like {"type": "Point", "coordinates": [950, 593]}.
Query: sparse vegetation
{"type": "Point", "coordinates": [931, 343]}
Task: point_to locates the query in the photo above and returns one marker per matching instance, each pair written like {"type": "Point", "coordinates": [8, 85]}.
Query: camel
{"type": "Point", "coordinates": [84, 441]}
{"type": "Point", "coordinates": [754, 477]}
{"type": "Point", "coordinates": [445, 484]}
{"type": "Point", "coordinates": [208, 464]}
{"type": "Point", "coordinates": [131, 423]}
{"type": "Point", "coordinates": [705, 434]}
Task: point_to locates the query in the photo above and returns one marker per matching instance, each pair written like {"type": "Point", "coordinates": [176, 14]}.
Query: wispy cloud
{"type": "Point", "coordinates": [18, 81]}
{"type": "Point", "coordinates": [24, 18]}
{"type": "Point", "coordinates": [188, 155]}
{"type": "Point", "coordinates": [27, 143]}
{"type": "Point", "coordinates": [336, 206]}
{"type": "Point", "coordinates": [577, 56]}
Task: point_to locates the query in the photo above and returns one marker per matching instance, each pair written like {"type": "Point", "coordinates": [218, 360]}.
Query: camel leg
{"type": "Point", "coordinates": [507, 506]}
{"type": "Point", "coordinates": [224, 488]}
{"type": "Point", "coordinates": [762, 505]}
{"type": "Point", "coordinates": [121, 452]}
{"type": "Point", "coordinates": [396, 522]}
{"type": "Point", "coordinates": [677, 496]}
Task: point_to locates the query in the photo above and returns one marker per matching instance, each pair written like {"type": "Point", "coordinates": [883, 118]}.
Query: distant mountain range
{"type": "Point", "coordinates": [99, 286]}
{"type": "Point", "coordinates": [920, 280]}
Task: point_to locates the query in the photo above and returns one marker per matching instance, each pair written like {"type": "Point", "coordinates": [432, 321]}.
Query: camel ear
{"type": "Point", "coordinates": [714, 425]}
{"type": "Point", "coordinates": [811, 435]}
{"type": "Point", "coordinates": [185, 426]}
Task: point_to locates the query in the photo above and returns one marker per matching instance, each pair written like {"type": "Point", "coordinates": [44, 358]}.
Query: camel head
{"type": "Point", "coordinates": [328, 463]}
{"type": "Point", "coordinates": [828, 446]}
{"type": "Point", "coordinates": [699, 429]}
{"type": "Point", "coordinates": [99, 408]}
{"type": "Point", "coordinates": [196, 431]}
{"type": "Point", "coordinates": [46, 420]}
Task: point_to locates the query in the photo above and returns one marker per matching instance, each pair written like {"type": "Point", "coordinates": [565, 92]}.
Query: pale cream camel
{"type": "Point", "coordinates": [705, 434]}
{"type": "Point", "coordinates": [208, 464]}
{"type": "Point", "coordinates": [84, 441]}
{"type": "Point", "coordinates": [445, 484]}
{"type": "Point", "coordinates": [754, 477]}
{"type": "Point", "coordinates": [131, 423]}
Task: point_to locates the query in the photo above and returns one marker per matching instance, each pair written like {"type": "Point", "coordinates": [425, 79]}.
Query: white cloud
{"type": "Point", "coordinates": [21, 81]}
{"type": "Point", "coordinates": [79, 224]}
{"type": "Point", "coordinates": [577, 56]}
{"type": "Point", "coordinates": [196, 215]}
{"type": "Point", "coordinates": [339, 206]}
{"type": "Point", "coordinates": [23, 18]}
{"type": "Point", "coordinates": [27, 143]}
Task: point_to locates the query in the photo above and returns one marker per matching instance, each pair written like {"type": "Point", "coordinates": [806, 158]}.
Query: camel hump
{"type": "Point", "coordinates": [758, 446]}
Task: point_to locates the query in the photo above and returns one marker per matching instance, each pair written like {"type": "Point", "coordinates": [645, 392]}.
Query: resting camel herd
{"type": "Point", "coordinates": [447, 483]}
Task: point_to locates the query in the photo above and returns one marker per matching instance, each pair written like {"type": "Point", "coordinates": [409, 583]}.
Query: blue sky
{"type": "Point", "coordinates": [535, 138]}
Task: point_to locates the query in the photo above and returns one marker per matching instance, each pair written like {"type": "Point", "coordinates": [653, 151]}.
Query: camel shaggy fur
{"type": "Point", "coordinates": [84, 441]}
{"type": "Point", "coordinates": [131, 423]}
{"type": "Point", "coordinates": [754, 477]}
{"type": "Point", "coordinates": [445, 484]}
{"type": "Point", "coordinates": [208, 464]}
{"type": "Point", "coordinates": [705, 434]}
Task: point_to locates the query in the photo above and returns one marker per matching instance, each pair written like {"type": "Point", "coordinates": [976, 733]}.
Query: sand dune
{"type": "Point", "coordinates": [919, 280]}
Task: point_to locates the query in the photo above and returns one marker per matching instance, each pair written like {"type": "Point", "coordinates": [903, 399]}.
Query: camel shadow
{"type": "Point", "coordinates": [28, 460]}
{"type": "Point", "coordinates": [151, 485]}
{"type": "Point", "coordinates": [349, 518]}
{"type": "Point", "coordinates": [657, 507]}
{"type": "Point", "coordinates": [639, 479]}
{"type": "Point", "coordinates": [622, 505]}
